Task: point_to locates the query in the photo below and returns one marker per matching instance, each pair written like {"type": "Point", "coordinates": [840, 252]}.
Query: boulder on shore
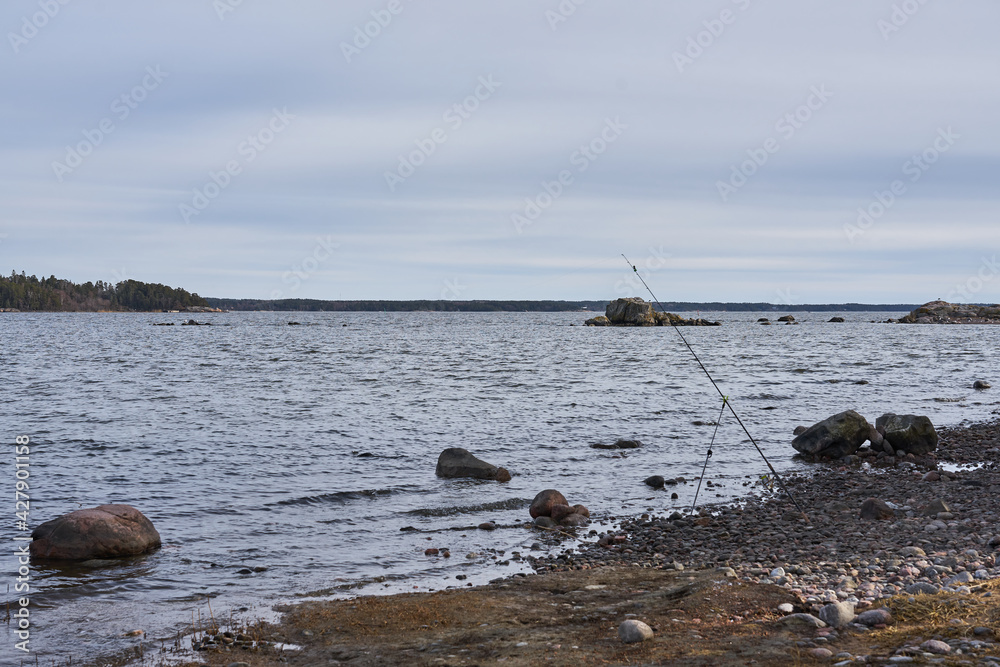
{"type": "Point", "coordinates": [837, 436]}
{"type": "Point", "coordinates": [911, 433]}
{"type": "Point", "coordinates": [107, 531]}
{"type": "Point", "coordinates": [873, 508]}
{"type": "Point", "coordinates": [542, 503]}
{"type": "Point", "coordinates": [550, 508]}
{"type": "Point", "coordinates": [458, 462]}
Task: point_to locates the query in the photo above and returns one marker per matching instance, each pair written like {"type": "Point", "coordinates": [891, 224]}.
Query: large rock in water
{"type": "Point", "coordinates": [108, 531]}
{"type": "Point", "coordinates": [633, 312]}
{"type": "Point", "coordinates": [458, 462]}
{"type": "Point", "coordinates": [836, 436]}
{"type": "Point", "coordinates": [542, 503]}
{"type": "Point", "coordinates": [910, 433]}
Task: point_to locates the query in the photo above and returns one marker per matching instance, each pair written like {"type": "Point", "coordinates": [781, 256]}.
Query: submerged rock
{"type": "Point", "coordinates": [836, 436]}
{"type": "Point", "coordinates": [981, 384]}
{"type": "Point", "coordinates": [618, 444]}
{"type": "Point", "coordinates": [457, 462]}
{"type": "Point", "coordinates": [107, 531]}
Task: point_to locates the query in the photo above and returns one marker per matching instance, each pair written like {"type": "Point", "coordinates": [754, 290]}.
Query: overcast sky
{"type": "Point", "coordinates": [418, 149]}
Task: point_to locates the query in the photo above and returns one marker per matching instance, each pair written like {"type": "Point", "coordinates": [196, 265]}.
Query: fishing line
{"type": "Point", "coordinates": [722, 411]}
{"type": "Point", "coordinates": [715, 384]}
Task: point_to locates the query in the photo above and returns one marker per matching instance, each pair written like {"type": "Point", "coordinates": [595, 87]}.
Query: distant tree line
{"type": "Point", "coordinates": [441, 305]}
{"type": "Point", "coordinates": [55, 294]}
{"type": "Point", "coordinates": [531, 306]}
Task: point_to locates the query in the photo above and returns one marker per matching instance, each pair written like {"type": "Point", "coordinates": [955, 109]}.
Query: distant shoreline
{"type": "Point", "coordinates": [596, 307]}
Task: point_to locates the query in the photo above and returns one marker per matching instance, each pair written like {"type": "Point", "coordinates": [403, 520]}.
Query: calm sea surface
{"type": "Point", "coordinates": [306, 449]}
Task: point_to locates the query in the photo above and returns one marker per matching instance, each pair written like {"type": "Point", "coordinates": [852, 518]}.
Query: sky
{"type": "Point", "coordinates": [789, 151]}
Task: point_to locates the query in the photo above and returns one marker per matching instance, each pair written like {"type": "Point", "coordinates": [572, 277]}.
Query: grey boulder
{"type": "Point", "coordinates": [910, 433]}
{"type": "Point", "coordinates": [837, 614]}
{"type": "Point", "coordinates": [633, 631]}
{"type": "Point", "coordinates": [633, 312]}
{"type": "Point", "coordinates": [837, 436]}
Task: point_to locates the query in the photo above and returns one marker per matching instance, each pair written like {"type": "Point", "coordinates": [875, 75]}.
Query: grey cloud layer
{"type": "Point", "coordinates": [701, 87]}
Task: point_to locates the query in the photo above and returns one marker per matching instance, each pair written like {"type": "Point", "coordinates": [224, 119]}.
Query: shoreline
{"type": "Point", "coordinates": [709, 585]}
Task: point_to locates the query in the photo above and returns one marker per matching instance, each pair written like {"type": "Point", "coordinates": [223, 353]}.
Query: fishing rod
{"type": "Point", "coordinates": [726, 401]}
{"type": "Point", "coordinates": [708, 455]}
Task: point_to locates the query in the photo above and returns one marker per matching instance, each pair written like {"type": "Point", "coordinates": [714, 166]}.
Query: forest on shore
{"type": "Point", "coordinates": [30, 293]}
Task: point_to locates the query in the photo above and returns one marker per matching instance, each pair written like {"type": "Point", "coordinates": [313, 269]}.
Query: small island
{"type": "Point", "coordinates": [636, 312]}
{"type": "Point", "coordinates": [942, 312]}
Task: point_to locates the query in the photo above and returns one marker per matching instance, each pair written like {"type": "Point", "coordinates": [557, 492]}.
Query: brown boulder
{"type": "Point", "coordinates": [574, 520]}
{"type": "Point", "coordinates": [542, 503]}
{"type": "Point", "coordinates": [108, 531]}
{"type": "Point", "coordinates": [580, 509]}
{"type": "Point", "coordinates": [560, 512]}
{"type": "Point", "coordinates": [458, 462]}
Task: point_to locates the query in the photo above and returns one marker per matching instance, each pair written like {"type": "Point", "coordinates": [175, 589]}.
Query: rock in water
{"type": "Point", "coordinates": [633, 312]}
{"type": "Point", "coordinates": [582, 510]}
{"type": "Point", "coordinates": [836, 319]}
{"type": "Point", "coordinates": [836, 436]}
{"type": "Point", "coordinates": [786, 318]}
{"type": "Point", "coordinates": [108, 531]}
{"type": "Point", "coordinates": [656, 481]}
{"type": "Point", "coordinates": [599, 321]}
{"type": "Point", "coordinates": [799, 430]}
{"type": "Point", "coordinates": [542, 503]}
{"type": "Point", "coordinates": [911, 433]}
{"type": "Point", "coordinates": [837, 614]}
{"type": "Point", "coordinates": [560, 512]}
{"type": "Point", "coordinates": [873, 508]}
{"type": "Point", "coordinates": [980, 384]}
{"type": "Point", "coordinates": [458, 462]}
{"type": "Point", "coordinates": [633, 631]}
{"type": "Point", "coordinates": [574, 520]}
